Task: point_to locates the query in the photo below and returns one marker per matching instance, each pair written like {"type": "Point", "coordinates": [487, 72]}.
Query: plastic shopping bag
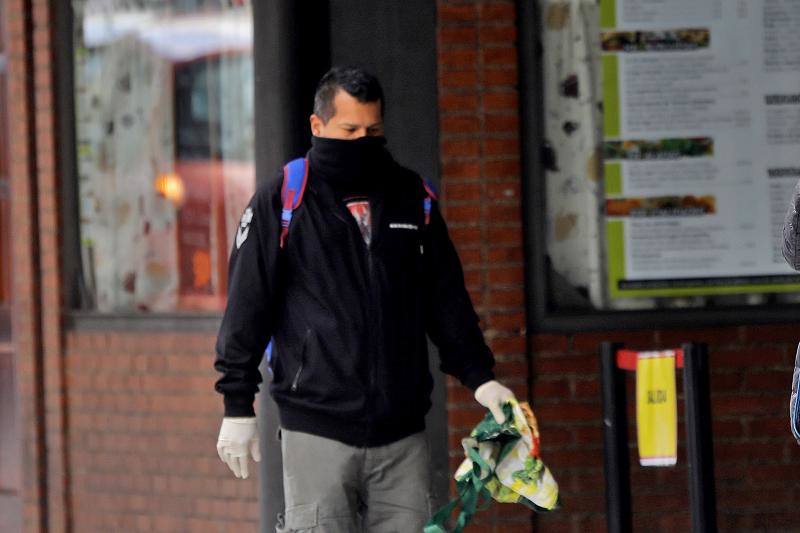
{"type": "Point", "coordinates": [502, 463]}
{"type": "Point", "coordinates": [794, 401]}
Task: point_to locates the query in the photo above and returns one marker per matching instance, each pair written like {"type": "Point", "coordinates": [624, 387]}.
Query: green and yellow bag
{"type": "Point", "coordinates": [502, 463]}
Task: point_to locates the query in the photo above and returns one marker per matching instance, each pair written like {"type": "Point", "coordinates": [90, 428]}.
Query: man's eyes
{"type": "Point", "coordinates": [370, 131]}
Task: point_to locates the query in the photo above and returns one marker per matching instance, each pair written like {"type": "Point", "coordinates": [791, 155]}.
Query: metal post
{"type": "Point", "coordinates": [699, 442]}
{"type": "Point", "coordinates": [615, 442]}
{"type": "Point", "coordinates": [290, 53]}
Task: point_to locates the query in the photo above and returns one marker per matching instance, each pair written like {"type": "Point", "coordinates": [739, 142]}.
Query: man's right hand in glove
{"type": "Point", "coordinates": [238, 437]}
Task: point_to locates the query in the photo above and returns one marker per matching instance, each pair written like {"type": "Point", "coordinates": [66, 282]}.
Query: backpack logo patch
{"type": "Point", "coordinates": [244, 227]}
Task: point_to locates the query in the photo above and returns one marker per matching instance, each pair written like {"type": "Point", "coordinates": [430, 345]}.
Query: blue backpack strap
{"type": "Point", "coordinates": [430, 195]}
{"type": "Point", "coordinates": [268, 353]}
{"type": "Point", "coordinates": [295, 176]}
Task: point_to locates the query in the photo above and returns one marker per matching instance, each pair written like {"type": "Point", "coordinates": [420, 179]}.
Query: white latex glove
{"type": "Point", "coordinates": [493, 396]}
{"type": "Point", "coordinates": [237, 437]}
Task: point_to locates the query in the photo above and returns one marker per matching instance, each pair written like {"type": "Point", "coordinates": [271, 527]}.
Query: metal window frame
{"type": "Point", "coordinates": [75, 312]}
{"type": "Point", "coordinates": [540, 318]}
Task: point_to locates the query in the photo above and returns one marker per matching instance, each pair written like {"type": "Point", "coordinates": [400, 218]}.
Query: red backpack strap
{"type": "Point", "coordinates": [430, 195]}
{"type": "Point", "coordinates": [295, 177]}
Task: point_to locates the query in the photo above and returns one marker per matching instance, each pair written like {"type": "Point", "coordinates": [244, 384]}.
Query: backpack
{"type": "Point", "coordinates": [295, 177]}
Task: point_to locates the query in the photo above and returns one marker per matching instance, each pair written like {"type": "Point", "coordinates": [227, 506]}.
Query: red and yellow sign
{"type": "Point", "coordinates": [656, 408]}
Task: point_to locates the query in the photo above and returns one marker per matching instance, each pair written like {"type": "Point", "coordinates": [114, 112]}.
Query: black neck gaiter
{"type": "Point", "coordinates": [359, 166]}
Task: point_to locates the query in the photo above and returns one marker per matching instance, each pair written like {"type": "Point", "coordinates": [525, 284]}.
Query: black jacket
{"type": "Point", "coordinates": [349, 320]}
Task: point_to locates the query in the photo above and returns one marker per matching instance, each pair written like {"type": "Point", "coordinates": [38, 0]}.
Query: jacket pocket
{"type": "Point", "coordinates": [298, 374]}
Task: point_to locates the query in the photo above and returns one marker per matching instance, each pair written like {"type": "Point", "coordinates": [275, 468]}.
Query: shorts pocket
{"type": "Point", "coordinates": [301, 518]}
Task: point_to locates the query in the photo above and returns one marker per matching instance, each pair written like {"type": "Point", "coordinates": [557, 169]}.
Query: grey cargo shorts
{"type": "Point", "coordinates": [330, 487]}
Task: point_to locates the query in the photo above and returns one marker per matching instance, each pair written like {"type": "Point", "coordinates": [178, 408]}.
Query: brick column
{"type": "Point", "coordinates": [481, 201]}
{"type": "Point", "coordinates": [55, 407]}
{"type": "Point", "coordinates": [36, 288]}
{"type": "Point", "coordinates": [25, 286]}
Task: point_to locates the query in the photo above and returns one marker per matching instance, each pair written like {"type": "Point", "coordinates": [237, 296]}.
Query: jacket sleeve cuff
{"type": "Point", "coordinates": [476, 378]}
{"type": "Point", "coordinates": [239, 406]}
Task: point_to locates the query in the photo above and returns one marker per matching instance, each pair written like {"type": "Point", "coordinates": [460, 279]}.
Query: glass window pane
{"type": "Point", "coordinates": [664, 191]}
{"type": "Point", "coordinates": [164, 110]}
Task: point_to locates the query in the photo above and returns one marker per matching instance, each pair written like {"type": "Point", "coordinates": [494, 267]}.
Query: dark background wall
{"type": "Point", "coordinates": [396, 41]}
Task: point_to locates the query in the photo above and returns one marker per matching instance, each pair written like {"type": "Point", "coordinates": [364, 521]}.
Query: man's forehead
{"type": "Point", "coordinates": [348, 121]}
{"type": "Point", "coordinates": [347, 102]}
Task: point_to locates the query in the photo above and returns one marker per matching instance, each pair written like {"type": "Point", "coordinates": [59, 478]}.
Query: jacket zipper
{"type": "Point", "coordinates": [297, 377]}
{"type": "Point", "coordinates": [296, 380]}
{"type": "Point", "coordinates": [372, 356]}
{"type": "Point", "coordinates": [348, 219]}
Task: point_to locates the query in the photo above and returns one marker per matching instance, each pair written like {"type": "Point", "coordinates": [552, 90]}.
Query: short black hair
{"type": "Point", "coordinates": [356, 81]}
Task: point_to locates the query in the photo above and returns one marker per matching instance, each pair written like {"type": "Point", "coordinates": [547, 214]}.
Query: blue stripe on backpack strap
{"type": "Point", "coordinates": [430, 188]}
{"type": "Point", "coordinates": [295, 175]}
{"type": "Point", "coordinates": [431, 194]}
{"type": "Point", "coordinates": [286, 216]}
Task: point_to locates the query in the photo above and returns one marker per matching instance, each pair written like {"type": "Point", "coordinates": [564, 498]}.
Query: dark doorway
{"type": "Point", "coordinates": [396, 41]}
{"type": "Point", "coordinates": [295, 43]}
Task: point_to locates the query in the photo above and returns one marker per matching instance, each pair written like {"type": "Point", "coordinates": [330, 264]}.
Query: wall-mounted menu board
{"type": "Point", "coordinates": [701, 144]}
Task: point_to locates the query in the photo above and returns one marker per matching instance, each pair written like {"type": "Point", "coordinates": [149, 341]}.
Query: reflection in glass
{"type": "Point", "coordinates": [164, 111]}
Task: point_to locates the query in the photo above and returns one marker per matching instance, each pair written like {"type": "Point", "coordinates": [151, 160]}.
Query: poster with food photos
{"type": "Point", "coordinates": [701, 147]}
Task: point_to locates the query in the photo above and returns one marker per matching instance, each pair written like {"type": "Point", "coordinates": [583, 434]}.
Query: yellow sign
{"type": "Point", "coordinates": [656, 408]}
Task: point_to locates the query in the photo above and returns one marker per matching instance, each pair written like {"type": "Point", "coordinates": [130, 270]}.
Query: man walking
{"type": "Point", "coordinates": [347, 292]}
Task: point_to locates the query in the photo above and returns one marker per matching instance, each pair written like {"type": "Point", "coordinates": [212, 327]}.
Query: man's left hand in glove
{"type": "Point", "coordinates": [493, 396]}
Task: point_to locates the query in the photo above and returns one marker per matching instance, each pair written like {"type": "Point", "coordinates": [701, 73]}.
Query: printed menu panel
{"type": "Point", "coordinates": [701, 104]}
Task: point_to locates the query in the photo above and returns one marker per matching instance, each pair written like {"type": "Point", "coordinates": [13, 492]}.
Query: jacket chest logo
{"type": "Point", "coordinates": [359, 208]}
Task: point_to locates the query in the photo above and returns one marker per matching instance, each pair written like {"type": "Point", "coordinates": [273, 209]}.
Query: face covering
{"type": "Point", "coordinates": [359, 165]}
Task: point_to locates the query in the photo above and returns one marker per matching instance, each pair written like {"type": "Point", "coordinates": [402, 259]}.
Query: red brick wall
{"type": "Point", "coordinates": [757, 461]}
{"type": "Point", "coordinates": [103, 450]}
{"type": "Point", "coordinates": [36, 319]}
{"type": "Point", "coordinates": [143, 429]}
{"type": "Point", "coordinates": [50, 335]}
{"type": "Point", "coordinates": [479, 142]}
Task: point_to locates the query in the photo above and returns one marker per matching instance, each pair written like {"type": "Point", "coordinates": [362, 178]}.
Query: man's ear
{"type": "Point", "coordinates": [316, 125]}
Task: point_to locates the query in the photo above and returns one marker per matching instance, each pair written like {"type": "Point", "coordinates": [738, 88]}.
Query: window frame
{"type": "Point", "coordinates": [278, 133]}
{"type": "Point", "coordinates": [541, 318]}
